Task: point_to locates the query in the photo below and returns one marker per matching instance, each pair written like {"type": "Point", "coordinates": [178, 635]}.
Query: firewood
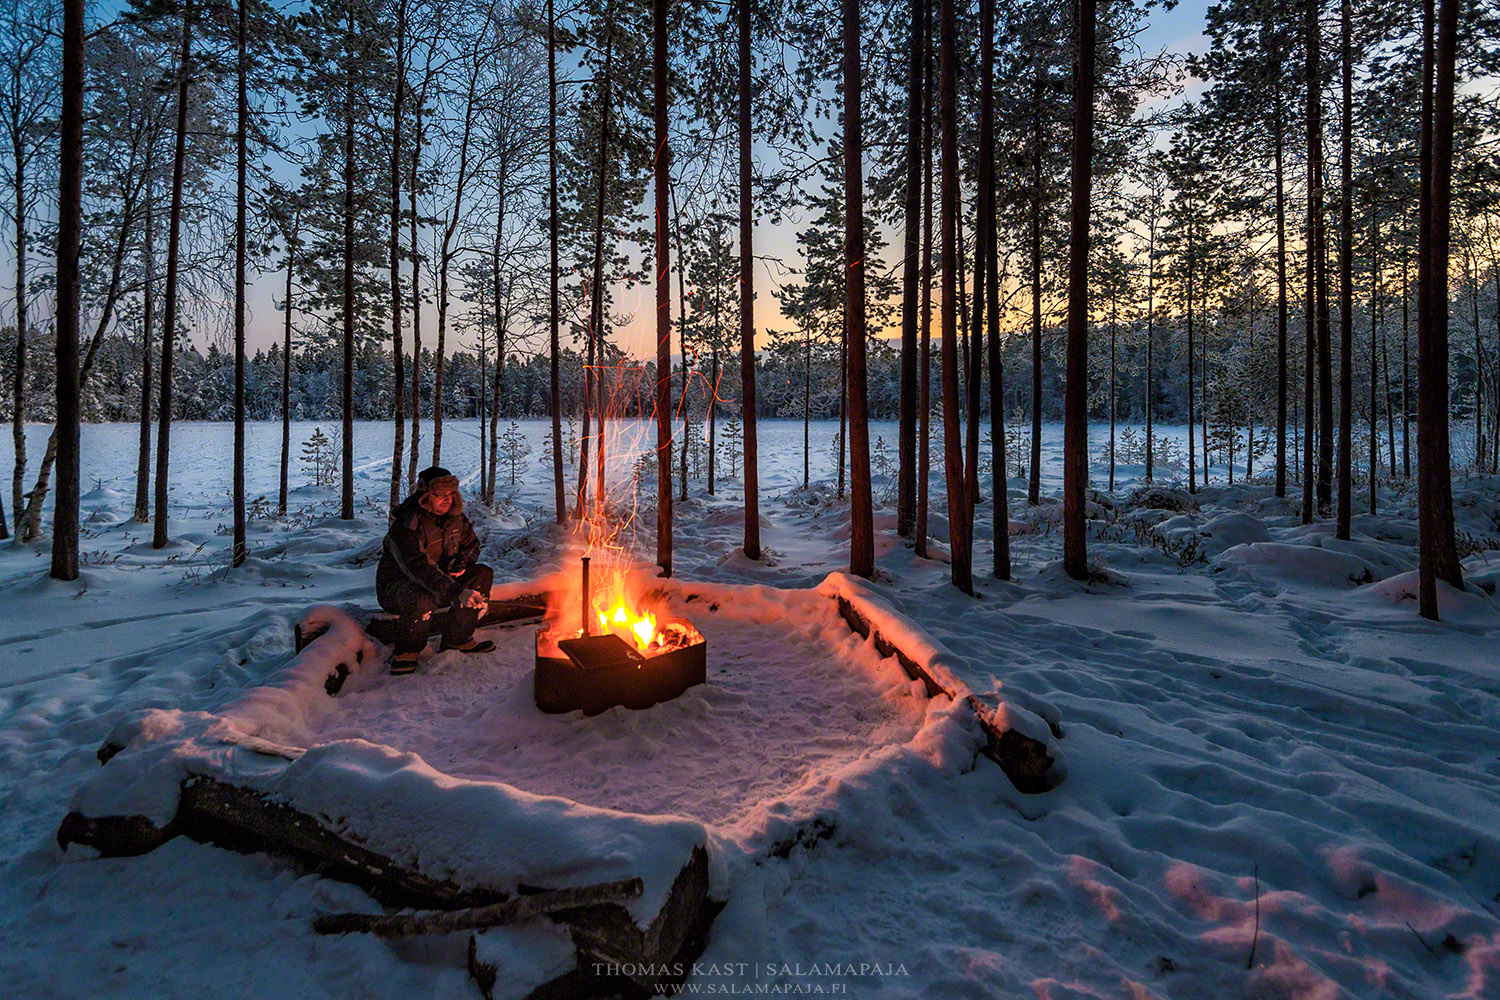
{"type": "Point", "coordinates": [510, 911]}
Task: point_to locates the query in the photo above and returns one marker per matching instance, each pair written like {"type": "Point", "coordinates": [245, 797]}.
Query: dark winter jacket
{"type": "Point", "coordinates": [422, 549]}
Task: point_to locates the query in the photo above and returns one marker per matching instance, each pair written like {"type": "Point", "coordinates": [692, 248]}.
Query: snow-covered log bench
{"type": "Point", "coordinates": [386, 821]}
{"type": "Point", "coordinates": [1016, 740]}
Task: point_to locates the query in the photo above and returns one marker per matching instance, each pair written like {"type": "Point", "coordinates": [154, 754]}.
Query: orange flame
{"type": "Point", "coordinates": [631, 626]}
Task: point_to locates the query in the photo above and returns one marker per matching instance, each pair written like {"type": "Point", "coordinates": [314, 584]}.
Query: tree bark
{"type": "Point", "coordinates": [990, 276]}
{"type": "Point", "coordinates": [924, 390]}
{"type": "Point", "coordinates": [663, 165]}
{"type": "Point", "coordinates": [1034, 485]}
{"type": "Point", "coordinates": [861, 510]}
{"type": "Point", "coordinates": [69, 238]}
{"type": "Point", "coordinates": [1278, 141]}
{"type": "Point", "coordinates": [959, 529]}
{"type": "Point", "coordinates": [560, 510]}
{"type": "Point", "coordinates": [1437, 548]}
{"type": "Point", "coordinates": [286, 361]}
{"type": "Point", "coordinates": [346, 492]}
{"type": "Point", "coordinates": [751, 475]}
{"type": "Point", "coordinates": [1075, 427]}
{"type": "Point", "coordinates": [1345, 471]}
{"type": "Point", "coordinates": [241, 156]}
{"type": "Point", "coordinates": [906, 475]}
{"type": "Point", "coordinates": [398, 358]}
{"type": "Point", "coordinates": [169, 319]}
{"type": "Point", "coordinates": [142, 511]}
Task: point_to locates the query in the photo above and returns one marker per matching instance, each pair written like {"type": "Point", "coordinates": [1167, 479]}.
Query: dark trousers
{"type": "Point", "coordinates": [411, 605]}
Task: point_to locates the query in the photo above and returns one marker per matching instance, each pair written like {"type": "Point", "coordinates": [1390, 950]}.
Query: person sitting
{"type": "Point", "coordinates": [427, 564]}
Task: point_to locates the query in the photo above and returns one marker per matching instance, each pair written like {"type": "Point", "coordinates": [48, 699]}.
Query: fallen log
{"type": "Point", "coordinates": [510, 911]}
{"type": "Point", "coordinates": [382, 626]}
{"type": "Point", "coordinates": [1025, 761]}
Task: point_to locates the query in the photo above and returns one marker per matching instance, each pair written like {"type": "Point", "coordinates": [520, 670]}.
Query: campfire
{"type": "Point", "coordinates": [613, 648]}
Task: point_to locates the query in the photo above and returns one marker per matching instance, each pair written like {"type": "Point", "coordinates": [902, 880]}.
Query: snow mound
{"type": "Point", "coordinates": [1301, 565]}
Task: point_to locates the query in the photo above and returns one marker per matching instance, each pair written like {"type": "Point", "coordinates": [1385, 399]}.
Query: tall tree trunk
{"type": "Point", "coordinates": [416, 295]}
{"type": "Point", "coordinates": [924, 364]}
{"type": "Point", "coordinates": [1281, 300]}
{"type": "Point", "coordinates": [502, 321]}
{"type": "Point", "coordinates": [806, 406]}
{"type": "Point", "coordinates": [972, 345]}
{"type": "Point", "coordinates": [1314, 126]}
{"type": "Point", "coordinates": [959, 530]}
{"type": "Point", "coordinates": [663, 164]}
{"type": "Point", "coordinates": [1374, 334]}
{"type": "Point", "coordinates": [1150, 338]}
{"type": "Point", "coordinates": [560, 511]}
{"type": "Point", "coordinates": [1405, 370]}
{"type": "Point", "coordinates": [843, 398]}
{"type": "Point", "coordinates": [1113, 324]}
{"type": "Point", "coordinates": [990, 276]}
{"type": "Point", "coordinates": [751, 476]}
{"type": "Point", "coordinates": [18, 395]}
{"type": "Point", "coordinates": [169, 319]}
{"type": "Point", "coordinates": [286, 362]}
{"type": "Point", "coordinates": [1437, 548]}
{"type": "Point", "coordinates": [593, 394]}
{"type": "Point", "coordinates": [69, 235]}
{"type": "Point", "coordinates": [346, 492]}
{"type": "Point", "coordinates": [1345, 470]}
{"type": "Point", "coordinates": [1034, 486]}
{"type": "Point", "coordinates": [1075, 425]}
{"type": "Point", "coordinates": [1320, 263]}
{"type": "Point", "coordinates": [861, 510]}
{"type": "Point", "coordinates": [142, 511]}
{"type": "Point", "coordinates": [906, 475]}
{"type": "Point", "coordinates": [1192, 453]}
{"type": "Point", "coordinates": [398, 353]}
{"type": "Point", "coordinates": [241, 156]}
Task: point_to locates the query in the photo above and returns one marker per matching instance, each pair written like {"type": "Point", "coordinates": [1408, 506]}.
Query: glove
{"type": "Point", "coordinates": [473, 599]}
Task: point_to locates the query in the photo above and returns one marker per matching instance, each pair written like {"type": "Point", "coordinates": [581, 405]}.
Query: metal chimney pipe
{"type": "Point", "coordinates": [584, 612]}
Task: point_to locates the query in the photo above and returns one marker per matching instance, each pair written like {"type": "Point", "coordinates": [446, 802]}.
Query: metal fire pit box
{"type": "Point", "coordinates": [598, 672]}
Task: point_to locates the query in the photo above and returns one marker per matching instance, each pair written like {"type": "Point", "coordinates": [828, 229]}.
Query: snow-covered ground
{"type": "Point", "coordinates": [1267, 749]}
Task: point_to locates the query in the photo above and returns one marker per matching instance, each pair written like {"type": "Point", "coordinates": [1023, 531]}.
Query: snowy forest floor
{"type": "Point", "coordinates": [1267, 748]}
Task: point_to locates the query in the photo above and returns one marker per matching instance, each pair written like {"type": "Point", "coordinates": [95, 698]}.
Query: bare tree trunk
{"type": "Point", "coordinates": [1281, 301]}
{"type": "Point", "coordinates": [861, 510]}
{"type": "Point", "coordinates": [663, 165]}
{"type": "Point", "coordinates": [1150, 336]}
{"type": "Point", "coordinates": [1034, 485]}
{"type": "Point", "coordinates": [1345, 469]}
{"type": "Point", "coordinates": [1192, 453]}
{"type": "Point", "coordinates": [990, 276]}
{"type": "Point", "coordinates": [69, 238]}
{"type": "Point", "coordinates": [959, 529]}
{"type": "Point", "coordinates": [1313, 125]}
{"type": "Point", "coordinates": [559, 502]}
{"type": "Point", "coordinates": [286, 362]}
{"type": "Point", "coordinates": [169, 320]}
{"type": "Point", "coordinates": [237, 556]}
{"type": "Point", "coordinates": [148, 318]}
{"type": "Point", "coordinates": [1320, 265]}
{"type": "Point", "coordinates": [346, 493]}
{"type": "Point", "coordinates": [1405, 371]}
{"type": "Point", "coordinates": [1374, 333]}
{"type": "Point", "coordinates": [1075, 426]}
{"type": "Point", "coordinates": [906, 475]}
{"type": "Point", "coordinates": [1438, 551]}
{"type": "Point", "coordinates": [18, 398]}
{"type": "Point", "coordinates": [398, 358]}
{"type": "Point", "coordinates": [593, 394]}
{"type": "Point", "coordinates": [751, 476]}
{"type": "Point", "coordinates": [924, 374]}
{"type": "Point", "coordinates": [416, 297]}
